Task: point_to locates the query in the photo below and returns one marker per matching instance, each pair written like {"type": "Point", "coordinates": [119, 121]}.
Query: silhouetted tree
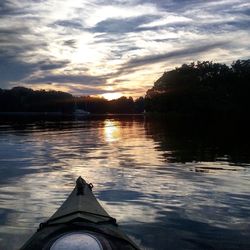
{"type": "Point", "coordinates": [202, 88]}
{"type": "Point", "coordinates": [27, 100]}
{"type": "Point", "coordinates": [121, 105]}
{"type": "Point", "coordinates": [20, 99]}
{"type": "Point", "coordinates": [139, 105]}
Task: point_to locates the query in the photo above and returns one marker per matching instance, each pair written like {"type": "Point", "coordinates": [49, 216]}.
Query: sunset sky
{"type": "Point", "coordinates": [114, 48]}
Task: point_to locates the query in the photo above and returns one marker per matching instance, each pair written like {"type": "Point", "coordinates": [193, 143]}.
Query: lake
{"type": "Point", "coordinates": [171, 184]}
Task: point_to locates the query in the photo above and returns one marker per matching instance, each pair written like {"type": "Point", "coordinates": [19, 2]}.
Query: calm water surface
{"type": "Point", "coordinates": [171, 185]}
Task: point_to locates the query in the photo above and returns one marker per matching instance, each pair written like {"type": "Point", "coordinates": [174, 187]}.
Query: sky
{"type": "Point", "coordinates": [114, 48]}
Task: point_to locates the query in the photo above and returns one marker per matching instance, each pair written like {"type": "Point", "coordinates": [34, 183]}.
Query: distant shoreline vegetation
{"type": "Point", "coordinates": [21, 99]}
{"type": "Point", "coordinates": [201, 88]}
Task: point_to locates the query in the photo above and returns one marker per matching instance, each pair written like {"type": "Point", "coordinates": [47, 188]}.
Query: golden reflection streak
{"type": "Point", "coordinates": [111, 131]}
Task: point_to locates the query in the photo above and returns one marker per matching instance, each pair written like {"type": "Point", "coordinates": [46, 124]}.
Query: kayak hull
{"type": "Point", "coordinates": [80, 214]}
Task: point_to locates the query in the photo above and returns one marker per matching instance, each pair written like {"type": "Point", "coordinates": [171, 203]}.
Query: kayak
{"type": "Point", "coordinates": [80, 223]}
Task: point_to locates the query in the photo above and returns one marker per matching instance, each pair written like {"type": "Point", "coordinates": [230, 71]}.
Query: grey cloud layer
{"type": "Point", "coordinates": [133, 64]}
{"type": "Point", "coordinates": [141, 61]}
{"type": "Point", "coordinates": [34, 40]}
{"type": "Point", "coordinates": [78, 79]}
{"type": "Point", "coordinates": [123, 25]}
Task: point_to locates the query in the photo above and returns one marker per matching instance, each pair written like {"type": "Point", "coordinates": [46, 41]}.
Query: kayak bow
{"type": "Point", "coordinates": [80, 223]}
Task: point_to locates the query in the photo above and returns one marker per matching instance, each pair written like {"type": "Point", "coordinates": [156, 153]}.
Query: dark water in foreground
{"type": "Point", "coordinates": [171, 185]}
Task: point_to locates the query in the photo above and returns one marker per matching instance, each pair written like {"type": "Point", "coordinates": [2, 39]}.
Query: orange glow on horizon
{"type": "Point", "coordinates": [111, 96]}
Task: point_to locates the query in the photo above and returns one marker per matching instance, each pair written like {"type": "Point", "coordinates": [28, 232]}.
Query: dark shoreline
{"type": "Point", "coordinates": [20, 114]}
{"type": "Point", "coordinates": [158, 116]}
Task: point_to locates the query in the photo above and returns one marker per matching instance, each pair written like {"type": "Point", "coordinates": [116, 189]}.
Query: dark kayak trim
{"type": "Point", "coordinates": [81, 212]}
{"type": "Point", "coordinates": [51, 222]}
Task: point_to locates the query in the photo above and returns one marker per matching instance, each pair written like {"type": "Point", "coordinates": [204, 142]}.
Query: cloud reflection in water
{"type": "Point", "coordinates": [153, 199]}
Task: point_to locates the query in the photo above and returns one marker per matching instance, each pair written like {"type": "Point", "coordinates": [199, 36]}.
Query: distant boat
{"type": "Point", "coordinates": [81, 113]}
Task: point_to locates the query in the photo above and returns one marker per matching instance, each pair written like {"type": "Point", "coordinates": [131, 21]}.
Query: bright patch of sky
{"type": "Point", "coordinates": [98, 47]}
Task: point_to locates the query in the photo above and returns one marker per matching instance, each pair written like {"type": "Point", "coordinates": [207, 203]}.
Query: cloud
{"type": "Point", "coordinates": [75, 24]}
{"type": "Point", "coordinates": [7, 8]}
{"type": "Point", "coordinates": [48, 65]}
{"type": "Point", "coordinates": [86, 80]}
{"type": "Point", "coordinates": [98, 90]}
{"type": "Point", "coordinates": [126, 25]}
{"type": "Point", "coordinates": [13, 70]}
{"type": "Point", "coordinates": [70, 43]}
{"type": "Point", "coordinates": [86, 91]}
{"type": "Point", "coordinates": [192, 51]}
{"type": "Point", "coordinates": [246, 11]}
{"type": "Point", "coordinates": [123, 44]}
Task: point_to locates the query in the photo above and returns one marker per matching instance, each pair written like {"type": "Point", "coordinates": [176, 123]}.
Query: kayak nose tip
{"type": "Point", "coordinates": [79, 178]}
{"type": "Point", "coordinates": [80, 185]}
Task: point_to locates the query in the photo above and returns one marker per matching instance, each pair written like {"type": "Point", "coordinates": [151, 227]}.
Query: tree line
{"type": "Point", "coordinates": [202, 88]}
{"type": "Point", "coordinates": [122, 105]}
{"type": "Point", "coordinates": [21, 99]}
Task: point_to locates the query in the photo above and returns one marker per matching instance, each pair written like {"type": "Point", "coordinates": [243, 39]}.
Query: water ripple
{"type": "Point", "coordinates": [139, 177]}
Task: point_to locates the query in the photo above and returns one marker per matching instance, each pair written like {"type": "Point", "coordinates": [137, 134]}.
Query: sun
{"type": "Point", "coordinates": [111, 96]}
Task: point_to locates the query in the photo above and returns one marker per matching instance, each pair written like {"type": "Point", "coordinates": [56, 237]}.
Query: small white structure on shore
{"type": "Point", "coordinates": [80, 113]}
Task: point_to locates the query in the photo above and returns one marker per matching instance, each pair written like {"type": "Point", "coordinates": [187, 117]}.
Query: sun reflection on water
{"type": "Point", "coordinates": [111, 130]}
{"type": "Point", "coordinates": [132, 179]}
